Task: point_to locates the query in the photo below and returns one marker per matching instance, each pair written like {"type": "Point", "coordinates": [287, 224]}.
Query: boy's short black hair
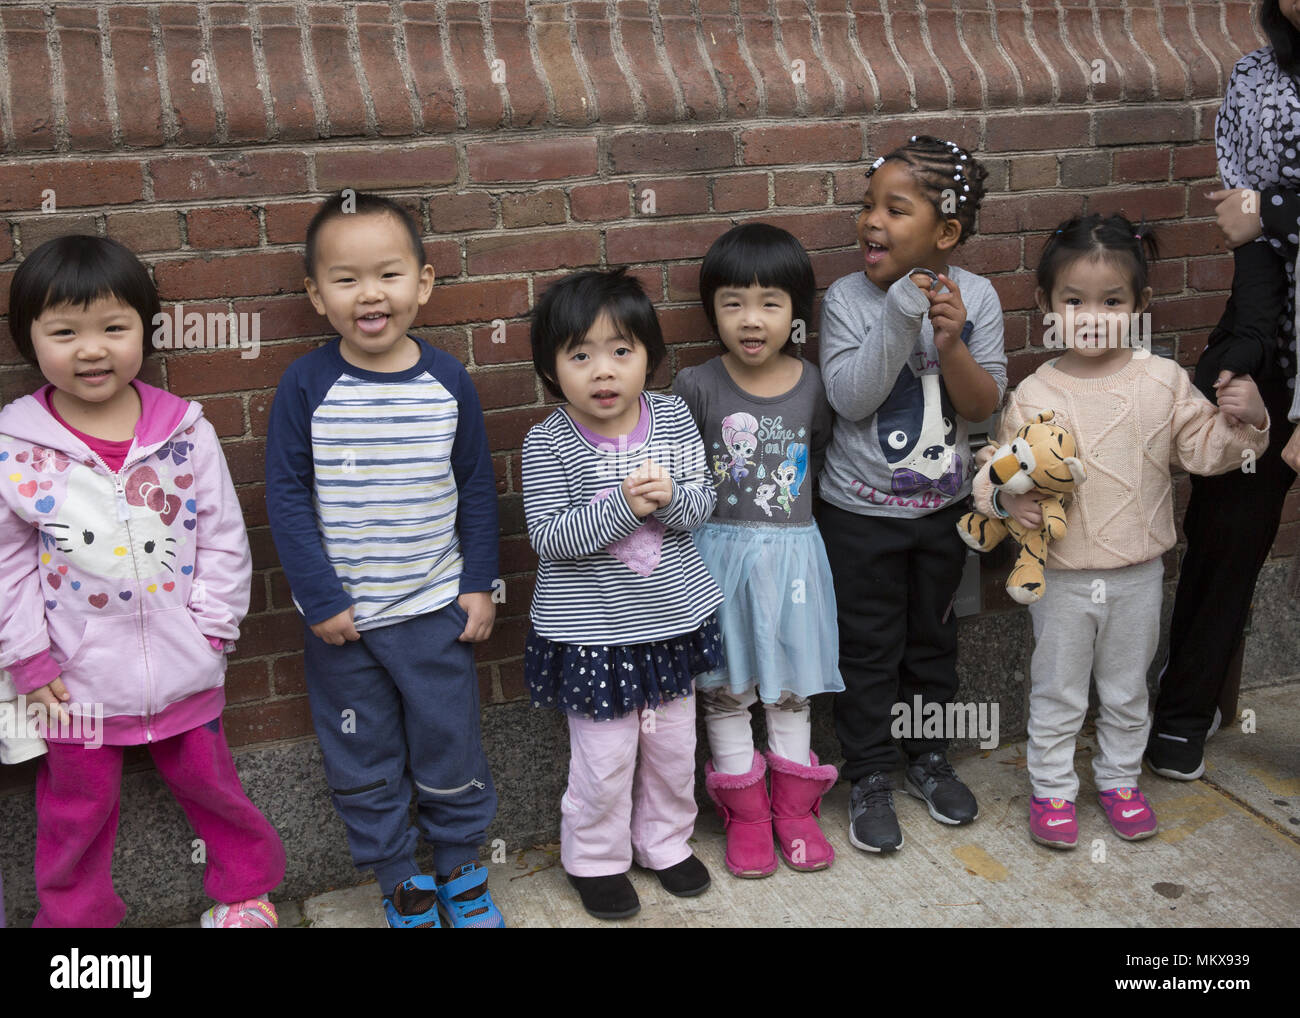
{"type": "Point", "coordinates": [569, 308]}
{"type": "Point", "coordinates": [78, 269]}
{"type": "Point", "coordinates": [357, 203]}
{"type": "Point", "coordinates": [764, 254]}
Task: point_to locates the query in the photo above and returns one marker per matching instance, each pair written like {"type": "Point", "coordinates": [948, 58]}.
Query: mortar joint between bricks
{"type": "Point", "coordinates": [1182, 64]}
{"type": "Point", "coordinates": [661, 51]}
{"type": "Point", "coordinates": [6, 108]}
{"type": "Point", "coordinates": [219, 115]}
{"type": "Point", "coordinates": [619, 52]}
{"type": "Point", "coordinates": [354, 51]}
{"type": "Point", "coordinates": [960, 31]}
{"type": "Point", "coordinates": [490, 56]}
{"type": "Point", "coordinates": [171, 127]}
{"type": "Point", "coordinates": [453, 75]}
{"type": "Point", "coordinates": [742, 46]}
{"type": "Point", "coordinates": [837, 83]}
{"type": "Point", "coordinates": [1031, 37]}
{"type": "Point", "coordinates": [320, 109]}
{"type": "Point", "coordinates": [110, 80]}
{"type": "Point", "coordinates": [928, 43]}
{"type": "Point", "coordinates": [855, 45]}
{"type": "Point", "coordinates": [58, 97]}
{"type": "Point", "coordinates": [398, 25]}
{"type": "Point", "coordinates": [263, 72]}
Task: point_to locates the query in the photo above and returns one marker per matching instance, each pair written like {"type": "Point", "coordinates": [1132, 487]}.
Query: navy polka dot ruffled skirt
{"type": "Point", "coordinates": [602, 682]}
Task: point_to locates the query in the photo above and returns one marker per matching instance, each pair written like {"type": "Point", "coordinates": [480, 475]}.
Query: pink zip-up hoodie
{"type": "Point", "coordinates": [115, 581]}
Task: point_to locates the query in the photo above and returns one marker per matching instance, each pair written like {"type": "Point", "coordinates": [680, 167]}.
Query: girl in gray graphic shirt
{"type": "Point", "coordinates": [765, 421]}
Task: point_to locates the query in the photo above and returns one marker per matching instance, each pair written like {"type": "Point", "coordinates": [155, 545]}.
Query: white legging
{"type": "Point", "coordinates": [731, 740]}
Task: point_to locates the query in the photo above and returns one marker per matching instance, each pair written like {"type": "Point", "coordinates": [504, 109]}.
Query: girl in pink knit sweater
{"type": "Point", "coordinates": [1132, 415]}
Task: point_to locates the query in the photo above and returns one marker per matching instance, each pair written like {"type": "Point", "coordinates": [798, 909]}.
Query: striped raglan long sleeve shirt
{"type": "Point", "coordinates": [380, 487]}
{"type": "Point", "coordinates": [585, 534]}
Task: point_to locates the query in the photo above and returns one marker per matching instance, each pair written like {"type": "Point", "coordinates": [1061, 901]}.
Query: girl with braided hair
{"type": "Point", "coordinates": [911, 351]}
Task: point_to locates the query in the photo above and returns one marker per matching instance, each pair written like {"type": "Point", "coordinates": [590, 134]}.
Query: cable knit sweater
{"type": "Point", "coordinates": [1129, 427]}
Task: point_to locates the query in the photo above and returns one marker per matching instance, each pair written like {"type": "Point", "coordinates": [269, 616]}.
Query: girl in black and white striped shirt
{"type": "Point", "coordinates": [615, 480]}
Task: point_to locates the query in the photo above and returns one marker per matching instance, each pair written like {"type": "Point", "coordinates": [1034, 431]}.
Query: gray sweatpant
{"type": "Point", "coordinates": [1092, 622]}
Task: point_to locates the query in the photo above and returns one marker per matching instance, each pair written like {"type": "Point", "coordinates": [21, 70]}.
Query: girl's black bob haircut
{"type": "Point", "coordinates": [569, 308]}
{"type": "Point", "coordinates": [1129, 248]}
{"type": "Point", "coordinates": [357, 203]}
{"type": "Point", "coordinates": [1282, 36]}
{"type": "Point", "coordinates": [78, 269]}
{"type": "Point", "coordinates": [764, 254]}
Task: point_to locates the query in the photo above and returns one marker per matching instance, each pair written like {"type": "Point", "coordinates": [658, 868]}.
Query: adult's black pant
{"type": "Point", "coordinates": [1230, 525]}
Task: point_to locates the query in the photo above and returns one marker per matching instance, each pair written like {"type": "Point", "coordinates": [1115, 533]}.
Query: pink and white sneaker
{"type": "Point", "coordinates": [1129, 813]}
{"type": "Point", "coordinates": [1052, 822]}
{"type": "Point", "coordinates": [254, 914]}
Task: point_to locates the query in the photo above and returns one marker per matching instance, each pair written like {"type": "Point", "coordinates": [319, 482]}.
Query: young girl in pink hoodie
{"type": "Point", "coordinates": [124, 575]}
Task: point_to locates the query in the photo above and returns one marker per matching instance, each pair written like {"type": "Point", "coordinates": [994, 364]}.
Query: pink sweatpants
{"type": "Point", "coordinates": [616, 806]}
{"type": "Point", "coordinates": [78, 798]}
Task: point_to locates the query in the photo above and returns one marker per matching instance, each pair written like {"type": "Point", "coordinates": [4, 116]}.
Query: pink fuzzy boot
{"type": "Point", "coordinates": [797, 792]}
{"type": "Point", "coordinates": [746, 815]}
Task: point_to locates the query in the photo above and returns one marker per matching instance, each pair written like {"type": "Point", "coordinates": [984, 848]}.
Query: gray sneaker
{"type": "Point", "coordinates": [932, 779]}
{"type": "Point", "coordinates": [873, 826]}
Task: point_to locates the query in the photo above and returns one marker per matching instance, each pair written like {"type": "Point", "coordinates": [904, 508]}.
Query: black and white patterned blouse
{"type": "Point", "coordinates": [1257, 136]}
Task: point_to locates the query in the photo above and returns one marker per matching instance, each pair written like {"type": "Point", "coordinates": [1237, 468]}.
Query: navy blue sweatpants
{"type": "Point", "coordinates": [399, 707]}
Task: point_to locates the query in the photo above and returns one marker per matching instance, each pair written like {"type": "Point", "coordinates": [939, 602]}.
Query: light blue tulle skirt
{"type": "Point", "coordinates": [779, 632]}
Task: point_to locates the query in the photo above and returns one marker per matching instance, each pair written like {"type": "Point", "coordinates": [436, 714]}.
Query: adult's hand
{"type": "Point", "coordinates": [1291, 451]}
{"type": "Point", "coordinates": [1237, 215]}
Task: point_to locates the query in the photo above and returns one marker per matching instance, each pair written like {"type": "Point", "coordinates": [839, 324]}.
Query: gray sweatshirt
{"type": "Point", "coordinates": [898, 447]}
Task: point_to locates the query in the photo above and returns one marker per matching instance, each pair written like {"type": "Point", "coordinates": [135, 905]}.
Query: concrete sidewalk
{"type": "Point", "coordinates": [1228, 854]}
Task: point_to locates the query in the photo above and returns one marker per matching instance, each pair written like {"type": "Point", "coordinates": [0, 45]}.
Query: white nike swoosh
{"type": "Point", "coordinates": [1057, 822]}
{"type": "Point", "coordinates": [1126, 813]}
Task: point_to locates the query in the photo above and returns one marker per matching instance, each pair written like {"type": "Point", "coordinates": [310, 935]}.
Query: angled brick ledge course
{"type": "Point", "coordinates": [121, 76]}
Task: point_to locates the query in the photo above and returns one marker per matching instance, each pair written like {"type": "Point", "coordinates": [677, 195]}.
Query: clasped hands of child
{"type": "Point", "coordinates": [648, 488]}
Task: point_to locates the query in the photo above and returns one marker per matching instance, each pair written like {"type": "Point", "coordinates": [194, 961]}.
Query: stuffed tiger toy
{"type": "Point", "coordinates": [1041, 455]}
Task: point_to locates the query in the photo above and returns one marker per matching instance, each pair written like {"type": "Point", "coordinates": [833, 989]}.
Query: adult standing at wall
{"type": "Point", "coordinates": [1232, 519]}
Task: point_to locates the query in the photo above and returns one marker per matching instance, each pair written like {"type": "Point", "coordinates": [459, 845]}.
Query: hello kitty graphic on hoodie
{"type": "Point", "coordinates": [125, 583]}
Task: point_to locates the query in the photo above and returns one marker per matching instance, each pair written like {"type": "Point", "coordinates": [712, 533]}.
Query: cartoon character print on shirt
{"type": "Point", "coordinates": [78, 518]}
{"type": "Point", "coordinates": [740, 435]}
{"type": "Point", "coordinates": [917, 430]}
{"type": "Point", "coordinates": [76, 513]}
{"type": "Point", "coordinates": [790, 474]}
{"type": "Point", "coordinates": [779, 465]}
{"type": "Point", "coordinates": [87, 539]}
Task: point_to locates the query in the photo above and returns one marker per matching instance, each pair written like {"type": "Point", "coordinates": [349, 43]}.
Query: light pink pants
{"type": "Point", "coordinates": [618, 807]}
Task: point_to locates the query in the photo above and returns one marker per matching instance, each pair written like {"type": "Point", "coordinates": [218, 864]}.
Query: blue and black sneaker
{"type": "Point", "coordinates": [413, 904]}
{"type": "Point", "coordinates": [465, 900]}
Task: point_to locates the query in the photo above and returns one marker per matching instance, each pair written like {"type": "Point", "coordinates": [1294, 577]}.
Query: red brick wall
{"type": "Point", "coordinates": [516, 181]}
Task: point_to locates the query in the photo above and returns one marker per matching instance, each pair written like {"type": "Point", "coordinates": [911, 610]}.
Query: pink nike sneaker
{"type": "Point", "coordinates": [255, 914]}
{"type": "Point", "coordinates": [1052, 822]}
{"type": "Point", "coordinates": [1129, 813]}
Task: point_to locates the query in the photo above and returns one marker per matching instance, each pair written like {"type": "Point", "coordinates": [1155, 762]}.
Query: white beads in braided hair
{"type": "Point", "coordinates": [959, 174]}
{"type": "Point", "coordinates": [959, 171]}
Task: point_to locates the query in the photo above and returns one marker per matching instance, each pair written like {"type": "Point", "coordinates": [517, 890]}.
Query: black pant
{"type": "Point", "coordinates": [894, 584]}
{"type": "Point", "coordinates": [1230, 526]}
